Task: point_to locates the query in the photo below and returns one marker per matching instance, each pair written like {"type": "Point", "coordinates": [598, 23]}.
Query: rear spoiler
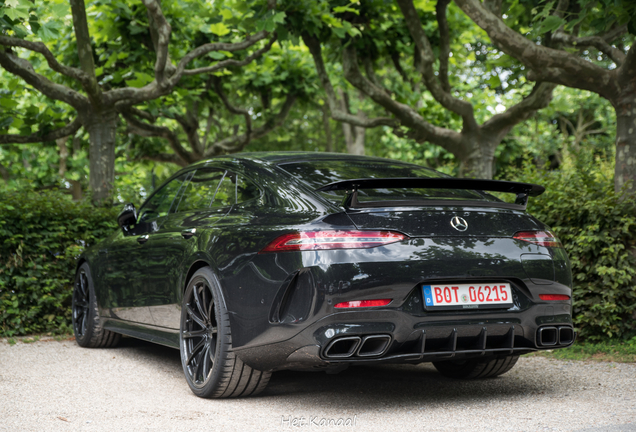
{"type": "Point", "coordinates": [522, 190]}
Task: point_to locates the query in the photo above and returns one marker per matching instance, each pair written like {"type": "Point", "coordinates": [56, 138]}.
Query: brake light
{"type": "Point", "coordinates": [316, 240]}
{"type": "Point", "coordinates": [554, 297]}
{"type": "Point", "coordinates": [541, 238]}
{"type": "Point", "coordinates": [363, 303]}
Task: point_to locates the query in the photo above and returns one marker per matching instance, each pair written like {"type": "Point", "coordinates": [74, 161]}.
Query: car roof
{"type": "Point", "coordinates": [283, 157]}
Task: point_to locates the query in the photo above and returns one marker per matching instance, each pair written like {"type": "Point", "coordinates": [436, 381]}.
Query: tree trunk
{"type": "Point", "coordinates": [478, 159]}
{"type": "Point", "coordinates": [357, 144]}
{"type": "Point", "coordinates": [327, 127]}
{"type": "Point", "coordinates": [625, 168]}
{"type": "Point", "coordinates": [4, 173]}
{"type": "Point", "coordinates": [102, 130]}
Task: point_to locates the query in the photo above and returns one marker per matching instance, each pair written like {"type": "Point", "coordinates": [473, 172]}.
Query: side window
{"type": "Point", "coordinates": [246, 190]}
{"type": "Point", "coordinates": [160, 203]}
{"type": "Point", "coordinates": [200, 191]}
{"type": "Point", "coordinates": [226, 192]}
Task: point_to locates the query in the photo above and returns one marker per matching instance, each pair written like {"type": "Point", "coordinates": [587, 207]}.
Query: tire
{"type": "Point", "coordinates": [476, 368]}
{"type": "Point", "coordinates": [211, 368]}
{"type": "Point", "coordinates": [87, 326]}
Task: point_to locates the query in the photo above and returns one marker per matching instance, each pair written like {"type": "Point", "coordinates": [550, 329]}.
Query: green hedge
{"type": "Point", "coordinates": [41, 235]}
{"type": "Point", "coordinates": [598, 229]}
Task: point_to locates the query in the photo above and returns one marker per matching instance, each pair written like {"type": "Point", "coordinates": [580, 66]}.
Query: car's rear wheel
{"type": "Point", "coordinates": [210, 366]}
{"type": "Point", "coordinates": [87, 325]}
{"type": "Point", "coordinates": [476, 368]}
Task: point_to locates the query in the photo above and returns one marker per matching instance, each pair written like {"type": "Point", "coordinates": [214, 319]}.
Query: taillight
{"type": "Point", "coordinates": [541, 238]}
{"type": "Point", "coordinates": [315, 240]}
{"type": "Point", "coordinates": [363, 303]}
{"type": "Point", "coordinates": [554, 297]}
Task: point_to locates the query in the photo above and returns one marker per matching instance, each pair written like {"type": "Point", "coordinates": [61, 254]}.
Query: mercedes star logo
{"type": "Point", "coordinates": [459, 223]}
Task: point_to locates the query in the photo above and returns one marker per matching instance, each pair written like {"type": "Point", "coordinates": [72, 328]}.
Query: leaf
{"type": "Point", "coordinates": [551, 23]}
{"type": "Point", "coordinates": [219, 29]}
{"type": "Point", "coordinates": [17, 13]}
{"type": "Point", "coordinates": [141, 80]}
{"type": "Point", "coordinates": [494, 81]}
{"type": "Point", "coordinates": [60, 10]}
{"type": "Point", "coordinates": [49, 31]}
{"type": "Point", "coordinates": [226, 13]}
{"type": "Point", "coordinates": [279, 18]}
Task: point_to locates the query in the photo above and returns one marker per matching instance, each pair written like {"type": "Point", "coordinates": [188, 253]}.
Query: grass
{"type": "Point", "coordinates": [611, 350]}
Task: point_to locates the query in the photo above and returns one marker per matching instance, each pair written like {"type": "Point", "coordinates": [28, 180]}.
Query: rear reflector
{"type": "Point", "coordinates": [315, 240]}
{"type": "Point", "coordinates": [554, 297]}
{"type": "Point", "coordinates": [541, 238]}
{"type": "Point", "coordinates": [363, 303]}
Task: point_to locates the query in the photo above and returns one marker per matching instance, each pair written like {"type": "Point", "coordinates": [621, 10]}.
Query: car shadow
{"type": "Point", "coordinates": [371, 386]}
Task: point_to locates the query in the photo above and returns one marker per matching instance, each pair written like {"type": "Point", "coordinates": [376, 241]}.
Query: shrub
{"type": "Point", "coordinates": [41, 235]}
{"type": "Point", "coordinates": [598, 229]}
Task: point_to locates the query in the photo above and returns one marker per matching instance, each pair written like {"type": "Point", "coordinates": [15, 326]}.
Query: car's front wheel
{"type": "Point", "coordinates": [210, 366]}
{"type": "Point", "coordinates": [476, 368]}
{"type": "Point", "coordinates": [87, 325]}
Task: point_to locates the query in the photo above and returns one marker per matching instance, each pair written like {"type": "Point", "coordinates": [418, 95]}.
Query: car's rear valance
{"type": "Point", "coordinates": [522, 190]}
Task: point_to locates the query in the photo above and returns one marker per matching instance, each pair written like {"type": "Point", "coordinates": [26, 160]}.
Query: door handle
{"type": "Point", "coordinates": [187, 233]}
{"type": "Point", "coordinates": [142, 238]}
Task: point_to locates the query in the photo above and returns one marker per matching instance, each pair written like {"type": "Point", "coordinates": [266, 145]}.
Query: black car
{"type": "Point", "coordinates": [259, 262]}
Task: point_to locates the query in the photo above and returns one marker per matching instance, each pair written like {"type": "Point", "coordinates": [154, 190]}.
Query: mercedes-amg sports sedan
{"type": "Point", "coordinates": [258, 262]}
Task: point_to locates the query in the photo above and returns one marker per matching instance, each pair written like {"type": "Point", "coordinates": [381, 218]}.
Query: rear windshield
{"type": "Point", "coordinates": [320, 173]}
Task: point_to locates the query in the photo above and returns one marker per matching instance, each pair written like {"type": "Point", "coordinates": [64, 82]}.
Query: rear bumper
{"type": "Point", "coordinates": [385, 336]}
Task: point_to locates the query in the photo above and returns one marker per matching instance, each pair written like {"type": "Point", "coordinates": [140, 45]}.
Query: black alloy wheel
{"type": "Point", "coordinates": [211, 368]}
{"type": "Point", "coordinates": [81, 299]}
{"type": "Point", "coordinates": [87, 326]}
{"type": "Point", "coordinates": [199, 334]}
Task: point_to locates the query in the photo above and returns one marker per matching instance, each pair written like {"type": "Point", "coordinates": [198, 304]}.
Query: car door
{"type": "Point", "coordinates": [169, 247]}
{"type": "Point", "coordinates": [127, 264]}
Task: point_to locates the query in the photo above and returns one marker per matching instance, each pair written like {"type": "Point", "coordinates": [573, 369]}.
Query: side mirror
{"type": "Point", "coordinates": [127, 217]}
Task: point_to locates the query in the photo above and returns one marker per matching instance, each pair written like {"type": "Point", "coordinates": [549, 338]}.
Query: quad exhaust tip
{"type": "Point", "coordinates": [355, 346]}
{"type": "Point", "coordinates": [553, 336]}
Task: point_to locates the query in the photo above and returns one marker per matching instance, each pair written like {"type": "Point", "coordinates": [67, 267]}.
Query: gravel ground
{"type": "Point", "coordinates": [50, 385]}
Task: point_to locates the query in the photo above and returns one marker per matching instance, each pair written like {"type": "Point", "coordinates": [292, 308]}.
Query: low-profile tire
{"type": "Point", "coordinates": [211, 368]}
{"type": "Point", "coordinates": [476, 368]}
{"type": "Point", "coordinates": [87, 325]}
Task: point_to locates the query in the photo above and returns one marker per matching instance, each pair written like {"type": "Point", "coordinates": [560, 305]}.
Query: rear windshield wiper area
{"type": "Point", "coordinates": [418, 191]}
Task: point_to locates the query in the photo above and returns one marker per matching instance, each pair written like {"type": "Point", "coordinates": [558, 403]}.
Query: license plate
{"type": "Point", "coordinates": [467, 296]}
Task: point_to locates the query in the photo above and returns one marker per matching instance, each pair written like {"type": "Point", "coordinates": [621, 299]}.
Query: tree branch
{"type": "Point", "coordinates": [41, 48]}
{"type": "Point", "coordinates": [238, 142]}
{"type": "Point", "coordinates": [423, 46]}
{"type": "Point", "coordinates": [218, 88]}
{"type": "Point", "coordinates": [548, 64]}
{"type": "Point", "coordinates": [141, 128]}
{"type": "Point", "coordinates": [39, 137]}
{"type": "Point", "coordinates": [597, 42]}
{"type": "Point", "coordinates": [334, 106]}
{"type": "Point", "coordinates": [166, 157]}
{"type": "Point", "coordinates": [85, 52]}
{"type": "Point", "coordinates": [125, 97]}
{"type": "Point", "coordinates": [446, 138]}
{"type": "Point", "coordinates": [232, 62]}
{"type": "Point", "coordinates": [162, 32]}
{"type": "Point", "coordinates": [444, 44]}
{"type": "Point", "coordinates": [24, 70]}
{"type": "Point", "coordinates": [539, 97]}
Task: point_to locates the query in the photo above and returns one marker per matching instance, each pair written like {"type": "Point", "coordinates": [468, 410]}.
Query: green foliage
{"type": "Point", "coordinates": [41, 235]}
{"type": "Point", "coordinates": [598, 229]}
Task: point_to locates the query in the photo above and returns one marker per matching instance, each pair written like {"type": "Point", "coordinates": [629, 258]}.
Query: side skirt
{"type": "Point", "coordinates": [161, 336]}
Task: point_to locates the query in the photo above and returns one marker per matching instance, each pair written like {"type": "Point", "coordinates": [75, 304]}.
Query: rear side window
{"type": "Point", "coordinates": [226, 192]}
{"type": "Point", "coordinates": [199, 193]}
{"type": "Point", "coordinates": [321, 173]}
